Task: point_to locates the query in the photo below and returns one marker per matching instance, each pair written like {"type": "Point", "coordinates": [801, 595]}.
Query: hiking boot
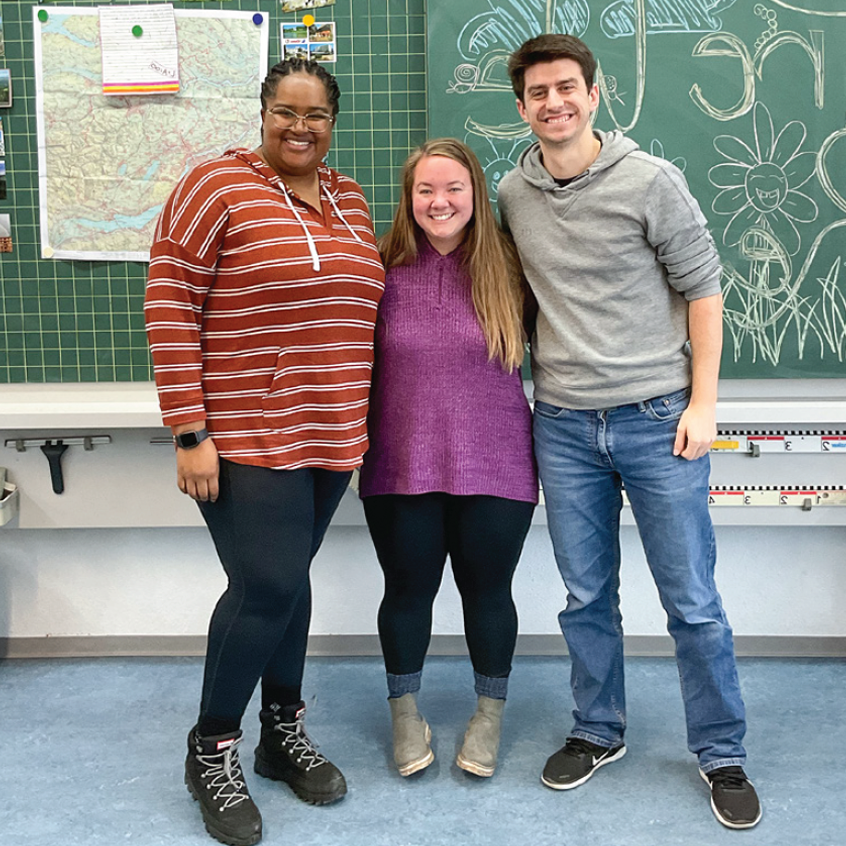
{"type": "Point", "coordinates": [576, 762]}
{"type": "Point", "coordinates": [411, 735]}
{"type": "Point", "coordinates": [214, 778]}
{"type": "Point", "coordinates": [733, 798]}
{"type": "Point", "coordinates": [286, 753]}
{"type": "Point", "coordinates": [481, 741]}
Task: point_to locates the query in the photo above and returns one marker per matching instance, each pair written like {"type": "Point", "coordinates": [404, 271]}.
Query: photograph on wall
{"type": "Point", "coordinates": [294, 32]}
{"type": "Point", "coordinates": [322, 52]}
{"type": "Point", "coordinates": [296, 50]}
{"type": "Point", "coordinates": [2, 180]}
{"type": "Point", "coordinates": [5, 233]}
{"type": "Point", "coordinates": [299, 5]}
{"type": "Point", "coordinates": [322, 33]}
{"type": "Point", "coordinates": [2, 43]}
{"type": "Point", "coordinates": [2, 140]}
{"type": "Point", "coordinates": [5, 88]}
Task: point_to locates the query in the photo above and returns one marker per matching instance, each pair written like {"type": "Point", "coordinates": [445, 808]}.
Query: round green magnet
{"type": "Point", "coordinates": [137, 31]}
{"type": "Point", "coordinates": [42, 15]}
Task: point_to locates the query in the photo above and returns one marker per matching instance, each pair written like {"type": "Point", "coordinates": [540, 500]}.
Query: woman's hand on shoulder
{"type": "Point", "coordinates": [197, 471]}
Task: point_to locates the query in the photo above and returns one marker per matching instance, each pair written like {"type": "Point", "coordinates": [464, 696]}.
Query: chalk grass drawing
{"type": "Point", "coordinates": [662, 16]}
{"type": "Point", "coordinates": [487, 39]}
{"type": "Point", "coordinates": [766, 309]}
{"type": "Point", "coordinates": [760, 183]}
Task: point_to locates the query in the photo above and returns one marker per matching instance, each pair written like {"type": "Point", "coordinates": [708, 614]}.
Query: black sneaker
{"type": "Point", "coordinates": [286, 753]}
{"type": "Point", "coordinates": [575, 762]}
{"type": "Point", "coordinates": [214, 778]}
{"type": "Point", "coordinates": [733, 798]}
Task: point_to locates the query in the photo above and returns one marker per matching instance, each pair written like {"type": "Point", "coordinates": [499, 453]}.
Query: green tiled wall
{"type": "Point", "coordinates": [82, 321]}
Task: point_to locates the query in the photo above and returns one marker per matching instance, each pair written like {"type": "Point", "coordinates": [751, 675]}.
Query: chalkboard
{"type": "Point", "coordinates": [747, 98]}
{"type": "Point", "coordinates": [82, 321]}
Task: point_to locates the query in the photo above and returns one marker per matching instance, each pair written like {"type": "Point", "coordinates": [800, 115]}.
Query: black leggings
{"type": "Point", "coordinates": [483, 536]}
{"type": "Point", "coordinates": [266, 525]}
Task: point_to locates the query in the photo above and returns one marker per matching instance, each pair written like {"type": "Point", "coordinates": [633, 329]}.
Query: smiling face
{"type": "Point", "coordinates": [295, 152]}
{"type": "Point", "coordinates": [557, 103]}
{"type": "Point", "coordinates": [442, 201]}
{"type": "Point", "coordinates": [766, 186]}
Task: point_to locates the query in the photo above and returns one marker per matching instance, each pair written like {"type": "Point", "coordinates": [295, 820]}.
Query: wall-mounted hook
{"type": "Point", "coordinates": [54, 449]}
{"type": "Point", "coordinates": [54, 453]}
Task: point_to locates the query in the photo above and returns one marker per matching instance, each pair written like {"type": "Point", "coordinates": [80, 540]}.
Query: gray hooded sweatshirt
{"type": "Point", "coordinates": [613, 259]}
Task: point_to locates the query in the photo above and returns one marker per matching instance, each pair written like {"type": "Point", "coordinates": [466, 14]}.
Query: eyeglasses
{"type": "Point", "coordinates": [314, 122]}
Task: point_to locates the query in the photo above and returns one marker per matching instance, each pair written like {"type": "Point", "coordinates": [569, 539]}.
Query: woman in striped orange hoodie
{"type": "Point", "coordinates": [261, 305]}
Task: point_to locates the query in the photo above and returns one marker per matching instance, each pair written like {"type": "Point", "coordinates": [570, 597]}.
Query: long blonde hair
{"type": "Point", "coordinates": [489, 255]}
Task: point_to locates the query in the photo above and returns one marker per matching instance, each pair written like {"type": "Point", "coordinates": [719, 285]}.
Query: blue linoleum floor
{"type": "Point", "coordinates": [91, 753]}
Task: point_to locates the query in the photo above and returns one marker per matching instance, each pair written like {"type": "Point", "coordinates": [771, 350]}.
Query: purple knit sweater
{"type": "Point", "coordinates": [442, 417]}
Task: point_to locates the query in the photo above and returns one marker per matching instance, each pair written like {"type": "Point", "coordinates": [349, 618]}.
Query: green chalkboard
{"type": "Point", "coordinates": [747, 98]}
{"type": "Point", "coordinates": [82, 321]}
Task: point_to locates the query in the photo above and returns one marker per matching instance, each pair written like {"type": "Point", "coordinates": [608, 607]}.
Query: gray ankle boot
{"type": "Point", "coordinates": [481, 741]}
{"type": "Point", "coordinates": [411, 735]}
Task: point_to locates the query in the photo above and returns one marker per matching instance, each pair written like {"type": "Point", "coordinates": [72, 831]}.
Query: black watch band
{"type": "Point", "coordinates": [189, 440]}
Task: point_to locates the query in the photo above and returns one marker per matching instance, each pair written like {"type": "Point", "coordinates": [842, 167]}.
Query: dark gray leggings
{"type": "Point", "coordinates": [483, 536]}
{"type": "Point", "coordinates": [266, 525]}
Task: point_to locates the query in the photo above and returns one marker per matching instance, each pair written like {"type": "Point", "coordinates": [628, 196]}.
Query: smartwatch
{"type": "Point", "coordinates": [189, 440]}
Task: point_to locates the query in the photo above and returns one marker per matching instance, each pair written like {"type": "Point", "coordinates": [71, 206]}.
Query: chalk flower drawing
{"type": "Point", "coordinates": [760, 182]}
{"type": "Point", "coordinates": [656, 148]}
{"type": "Point", "coordinates": [497, 156]}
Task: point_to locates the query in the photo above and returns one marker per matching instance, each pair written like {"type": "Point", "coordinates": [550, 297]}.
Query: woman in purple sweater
{"type": "Point", "coordinates": [450, 470]}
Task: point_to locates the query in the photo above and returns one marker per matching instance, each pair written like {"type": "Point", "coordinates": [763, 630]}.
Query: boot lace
{"type": "Point", "coordinates": [299, 745]}
{"type": "Point", "coordinates": [223, 770]}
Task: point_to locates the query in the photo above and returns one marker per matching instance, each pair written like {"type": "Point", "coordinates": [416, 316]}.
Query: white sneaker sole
{"type": "Point", "coordinates": [722, 819]}
{"type": "Point", "coordinates": [556, 786]}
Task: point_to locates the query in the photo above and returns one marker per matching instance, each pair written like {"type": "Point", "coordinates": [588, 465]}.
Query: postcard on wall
{"type": "Point", "coordinates": [140, 53]}
{"type": "Point", "coordinates": [5, 88]}
{"type": "Point", "coordinates": [2, 139]}
{"type": "Point", "coordinates": [2, 43]}
{"type": "Point", "coordinates": [309, 42]}
{"type": "Point", "coordinates": [5, 233]}
{"type": "Point", "coordinates": [2, 180]}
{"type": "Point", "coordinates": [299, 5]}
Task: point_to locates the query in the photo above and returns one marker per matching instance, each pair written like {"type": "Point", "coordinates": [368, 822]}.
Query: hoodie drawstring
{"type": "Point", "coordinates": [338, 212]}
{"type": "Point", "coordinates": [312, 247]}
{"type": "Point", "coordinates": [315, 258]}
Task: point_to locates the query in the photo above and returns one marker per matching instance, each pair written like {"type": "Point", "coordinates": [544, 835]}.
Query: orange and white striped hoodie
{"type": "Point", "coordinates": [260, 313]}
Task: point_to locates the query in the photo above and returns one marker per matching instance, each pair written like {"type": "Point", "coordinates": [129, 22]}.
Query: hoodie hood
{"type": "Point", "coordinates": [328, 188]}
{"type": "Point", "coordinates": [615, 146]}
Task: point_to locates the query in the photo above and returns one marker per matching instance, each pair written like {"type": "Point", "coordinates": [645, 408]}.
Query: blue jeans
{"type": "Point", "coordinates": [585, 458]}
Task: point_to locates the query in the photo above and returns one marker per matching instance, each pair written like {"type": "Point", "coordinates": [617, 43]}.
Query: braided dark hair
{"type": "Point", "coordinates": [309, 66]}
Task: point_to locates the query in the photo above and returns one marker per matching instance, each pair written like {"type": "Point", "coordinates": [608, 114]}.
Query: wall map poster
{"type": "Point", "coordinates": [747, 98]}
{"type": "Point", "coordinates": [107, 164]}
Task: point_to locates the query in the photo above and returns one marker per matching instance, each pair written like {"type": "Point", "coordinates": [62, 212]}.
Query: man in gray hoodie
{"type": "Point", "coordinates": [625, 361]}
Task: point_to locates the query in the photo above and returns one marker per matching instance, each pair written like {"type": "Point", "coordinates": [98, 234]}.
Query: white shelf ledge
{"type": "Point", "coordinates": [124, 405]}
{"type": "Point", "coordinates": [134, 405]}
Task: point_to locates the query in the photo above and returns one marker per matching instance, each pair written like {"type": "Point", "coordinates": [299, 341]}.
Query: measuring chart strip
{"type": "Point", "coordinates": [802, 496]}
{"type": "Point", "coordinates": [745, 441]}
